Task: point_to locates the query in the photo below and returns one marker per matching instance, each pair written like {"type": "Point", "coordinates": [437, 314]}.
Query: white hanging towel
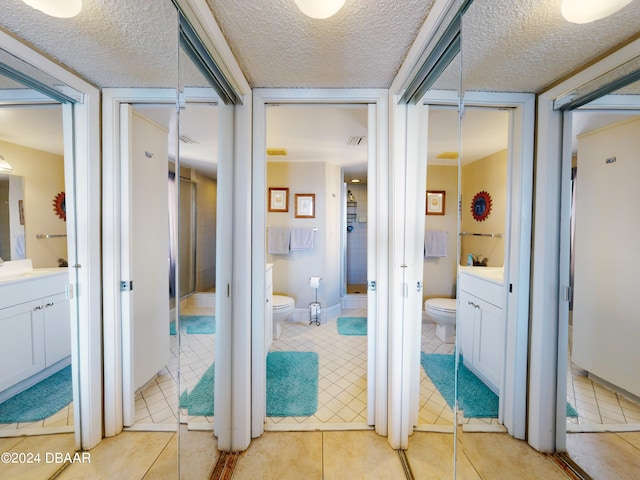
{"type": "Point", "coordinates": [302, 238]}
{"type": "Point", "coordinates": [435, 243]}
{"type": "Point", "coordinates": [278, 240]}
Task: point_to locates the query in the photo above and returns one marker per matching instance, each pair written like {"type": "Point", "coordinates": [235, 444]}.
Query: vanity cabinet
{"type": "Point", "coordinates": [35, 336]}
{"type": "Point", "coordinates": [481, 328]}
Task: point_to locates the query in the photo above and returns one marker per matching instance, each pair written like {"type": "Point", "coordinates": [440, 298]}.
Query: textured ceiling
{"type": "Point", "coordinates": [363, 45]}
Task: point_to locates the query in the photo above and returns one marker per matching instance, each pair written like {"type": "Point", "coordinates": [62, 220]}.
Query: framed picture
{"type": "Point", "coordinates": [435, 202]}
{"type": "Point", "coordinates": [305, 205]}
{"type": "Point", "coordinates": [278, 199]}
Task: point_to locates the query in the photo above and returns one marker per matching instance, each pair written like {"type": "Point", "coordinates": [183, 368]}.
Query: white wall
{"type": "Point", "coordinates": [43, 174]}
{"type": "Point", "coordinates": [291, 272]}
{"type": "Point", "coordinates": [606, 327]}
{"type": "Point", "coordinates": [439, 275]}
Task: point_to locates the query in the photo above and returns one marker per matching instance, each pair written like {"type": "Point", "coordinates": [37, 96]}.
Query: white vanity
{"type": "Point", "coordinates": [480, 310]}
{"type": "Point", "coordinates": [35, 336]}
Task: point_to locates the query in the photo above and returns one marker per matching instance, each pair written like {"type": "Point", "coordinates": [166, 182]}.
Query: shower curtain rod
{"type": "Point", "coordinates": [497, 235]}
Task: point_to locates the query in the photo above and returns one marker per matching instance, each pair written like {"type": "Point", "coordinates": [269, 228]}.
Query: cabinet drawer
{"type": "Point", "coordinates": [486, 290]}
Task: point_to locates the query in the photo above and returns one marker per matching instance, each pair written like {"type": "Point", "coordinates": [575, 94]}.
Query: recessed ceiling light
{"type": "Point", "coordinates": [355, 180]}
{"type": "Point", "coordinates": [319, 8]}
{"type": "Point", "coordinates": [57, 8]}
{"type": "Point", "coordinates": [585, 11]}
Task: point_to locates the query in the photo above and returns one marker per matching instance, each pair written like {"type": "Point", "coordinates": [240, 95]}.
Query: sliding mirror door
{"type": "Point", "coordinates": [600, 408]}
{"type": "Point", "coordinates": [39, 376]}
{"type": "Point", "coordinates": [194, 196]}
{"type": "Point", "coordinates": [433, 227]}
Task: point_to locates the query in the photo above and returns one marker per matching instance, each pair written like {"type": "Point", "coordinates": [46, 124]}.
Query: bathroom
{"type": "Point", "coordinates": [308, 153]}
{"type": "Point", "coordinates": [454, 244]}
{"type": "Point", "coordinates": [33, 233]}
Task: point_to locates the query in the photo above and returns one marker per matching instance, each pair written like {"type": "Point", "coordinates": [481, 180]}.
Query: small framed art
{"type": "Point", "coordinates": [435, 202]}
{"type": "Point", "coordinates": [305, 205]}
{"type": "Point", "coordinates": [278, 199]}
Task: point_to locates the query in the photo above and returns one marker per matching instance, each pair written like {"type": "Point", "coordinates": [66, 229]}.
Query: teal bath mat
{"type": "Point", "coordinates": [352, 325]}
{"type": "Point", "coordinates": [292, 384]}
{"type": "Point", "coordinates": [39, 401]}
{"type": "Point", "coordinates": [474, 397]}
{"type": "Point", "coordinates": [199, 401]}
{"type": "Point", "coordinates": [195, 324]}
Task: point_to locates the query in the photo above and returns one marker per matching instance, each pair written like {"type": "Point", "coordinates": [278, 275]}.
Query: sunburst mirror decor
{"type": "Point", "coordinates": [481, 206]}
{"type": "Point", "coordinates": [59, 206]}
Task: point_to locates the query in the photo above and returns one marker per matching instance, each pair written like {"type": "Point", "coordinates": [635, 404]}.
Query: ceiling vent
{"type": "Point", "coordinates": [448, 155]}
{"type": "Point", "coordinates": [185, 139]}
{"type": "Point", "coordinates": [277, 151]}
{"type": "Point", "coordinates": [355, 141]}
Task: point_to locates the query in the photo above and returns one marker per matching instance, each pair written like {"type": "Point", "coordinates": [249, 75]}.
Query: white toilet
{"type": "Point", "coordinates": [282, 309]}
{"type": "Point", "coordinates": [442, 311]}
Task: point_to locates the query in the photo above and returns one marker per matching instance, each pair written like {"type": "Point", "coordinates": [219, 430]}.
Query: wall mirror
{"type": "Point", "coordinates": [38, 368]}
{"type": "Point", "coordinates": [601, 130]}
{"type": "Point", "coordinates": [432, 445]}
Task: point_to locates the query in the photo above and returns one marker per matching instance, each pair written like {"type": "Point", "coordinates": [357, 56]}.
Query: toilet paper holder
{"type": "Point", "coordinates": [314, 307]}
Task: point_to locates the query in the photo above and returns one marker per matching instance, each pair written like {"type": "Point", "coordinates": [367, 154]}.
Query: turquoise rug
{"type": "Point", "coordinates": [199, 401]}
{"type": "Point", "coordinates": [292, 384]}
{"type": "Point", "coordinates": [475, 399]}
{"type": "Point", "coordinates": [39, 401]}
{"type": "Point", "coordinates": [352, 325]}
{"type": "Point", "coordinates": [195, 324]}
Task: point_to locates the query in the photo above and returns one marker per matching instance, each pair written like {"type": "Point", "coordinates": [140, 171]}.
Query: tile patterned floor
{"type": "Point", "coordinates": [342, 381]}
{"type": "Point", "coordinates": [596, 404]}
{"type": "Point", "coordinates": [157, 402]}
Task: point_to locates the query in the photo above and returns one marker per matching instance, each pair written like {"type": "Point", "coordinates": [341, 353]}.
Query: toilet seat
{"type": "Point", "coordinates": [444, 305]}
{"type": "Point", "coordinates": [281, 301]}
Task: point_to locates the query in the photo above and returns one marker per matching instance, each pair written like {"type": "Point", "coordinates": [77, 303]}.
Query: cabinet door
{"type": "Point", "coordinates": [466, 312]}
{"type": "Point", "coordinates": [488, 349]}
{"type": "Point", "coordinates": [57, 329]}
{"type": "Point", "coordinates": [21, 343]}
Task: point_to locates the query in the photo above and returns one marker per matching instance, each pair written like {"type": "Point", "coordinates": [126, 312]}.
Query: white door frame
{"type": "Point", "coordinates": [547, 413]}
{"type": "Point", "coordinates": [82, 151]}
{"type": "Point", "coordinates": [377, 250]}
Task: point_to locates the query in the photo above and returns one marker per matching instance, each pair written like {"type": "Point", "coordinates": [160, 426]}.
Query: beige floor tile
{"type": "Point", "coordinates": [41, 445]}
{"type": "Point", "coordinates": [497, 455]}
{"type": "Point", "coordinates": [282, 456]}
{"type": "Point", "coordinates": [198, 454]}
{"type": "Point", "coordinates": [632, 437]}
{"type": "Point", "coordinates": [430, 456]}
{"type": "Point", "coordinates": [128, 455]}
{"type": "Point", "coordinates": [359, 455]}
{"type": "Point", "coordinates": [166, 465]}
{"type": "Point", "coordinates": [605, 455]}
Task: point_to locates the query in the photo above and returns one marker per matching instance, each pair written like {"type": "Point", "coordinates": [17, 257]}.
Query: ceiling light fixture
{"type": "Point", "coordinates": [4, 166]}
{"type": "Point", "coordinates": [585, 11]}
{"type": "Point", "coordinates": [319, 8]}
{"type": "Point", "coordinates": [57, 8]}
{"type": "Point", "coordinates": [355, 180]}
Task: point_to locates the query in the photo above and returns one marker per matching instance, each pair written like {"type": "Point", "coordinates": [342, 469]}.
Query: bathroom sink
{"type": "Point", "coordinates": [494, 274]}
{"type": "Point", "coordinates": [15, 269]}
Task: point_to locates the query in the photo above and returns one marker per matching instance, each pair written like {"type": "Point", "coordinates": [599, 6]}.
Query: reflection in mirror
{"type": "Point", "coordinates": [432, 447]}
{"type": "Point", "coordinates": [36, 389]}
{"type": "Point", "coordinates": [481, 294]}
{"type": "Point", "coordinates": [603, 393]}
{"type": "Point", "coordinates": [196, 214]}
